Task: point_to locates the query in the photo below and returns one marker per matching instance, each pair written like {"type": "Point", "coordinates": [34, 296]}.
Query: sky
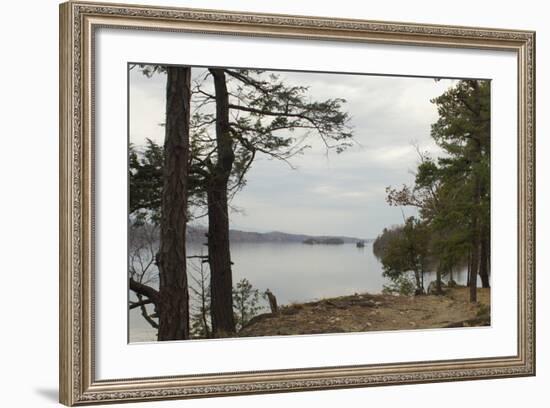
{"type": "Point", "coordinates": [334, 194]}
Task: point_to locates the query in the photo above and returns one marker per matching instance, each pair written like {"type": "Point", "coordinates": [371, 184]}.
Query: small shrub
{"type": "Point", "coordinates": [402, 285]}
{"type": "Point", "coordinates": [246, 302]}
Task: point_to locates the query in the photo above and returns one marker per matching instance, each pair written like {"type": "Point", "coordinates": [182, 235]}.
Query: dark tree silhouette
{"type": "Point", "coordinates": [171, 300]}
{"type": "Point", "coordinates": [254, 113]}
{"type": "Point", "coordinates": [258, 115]}
{"type": "Point", "coordinates": [453, 193]}
{"type": "Point", "coordinates": [219, 256]}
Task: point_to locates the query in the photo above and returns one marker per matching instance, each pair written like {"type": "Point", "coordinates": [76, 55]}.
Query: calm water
{"type": "Point", "coordinates": [296, 272]}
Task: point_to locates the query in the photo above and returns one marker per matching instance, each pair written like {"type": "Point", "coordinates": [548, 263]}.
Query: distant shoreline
{"type": "Point", "coordinates": [196, 234]}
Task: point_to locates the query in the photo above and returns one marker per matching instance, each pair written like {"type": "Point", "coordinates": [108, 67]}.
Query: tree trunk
{"type": "Point", "coordinates": [473, 272]}
{"type": "Point", "coordinates": [477, 219]}
{"type": "Point", "coordinates": [272, 302]}
{"type": "Point", "coordinates": [419, 283]}
{"type": "Point", "coordinates": [173, 306]}
{"type": "Point", "coordinates": [219, 256]}
{"type": "Point", "coordinates": [438, 280]}
{"type": "Point", "coordinates": [476, 235]}
{"type": "Point", "coordinates": [484, 261]}
{"type": "Point", "coordinates": [469, 272]}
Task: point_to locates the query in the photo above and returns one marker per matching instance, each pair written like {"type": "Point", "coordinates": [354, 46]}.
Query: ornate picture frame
{"type": "Point", "coordinates": [79, 22]}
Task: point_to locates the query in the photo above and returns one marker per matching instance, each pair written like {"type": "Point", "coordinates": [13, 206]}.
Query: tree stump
{"type": "Point", "coordinates": [272, 301]}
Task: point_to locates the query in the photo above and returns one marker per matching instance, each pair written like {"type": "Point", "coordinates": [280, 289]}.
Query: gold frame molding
{"type": "Point", "coordinates": [78, 22]}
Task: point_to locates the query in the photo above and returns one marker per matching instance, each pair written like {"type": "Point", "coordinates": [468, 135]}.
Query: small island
{"type": "Point", "coordinates": [323, 241]}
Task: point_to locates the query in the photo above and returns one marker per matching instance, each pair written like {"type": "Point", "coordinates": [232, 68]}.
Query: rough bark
{"type": "Point", "coordinates": [173, 304]}
{"type": "Point", "coordinates": [219, 256]}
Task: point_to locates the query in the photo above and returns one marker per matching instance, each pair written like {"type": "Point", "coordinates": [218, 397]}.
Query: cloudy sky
{"type": "Point", "coordinates": [331, 195]}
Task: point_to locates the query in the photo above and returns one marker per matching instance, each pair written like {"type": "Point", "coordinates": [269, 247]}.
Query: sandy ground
{"type": "Point", "coordinates": [365, 312]}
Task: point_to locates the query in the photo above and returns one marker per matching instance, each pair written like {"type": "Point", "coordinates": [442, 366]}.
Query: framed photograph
{"type": "Point", "coordinates": [255, 203]}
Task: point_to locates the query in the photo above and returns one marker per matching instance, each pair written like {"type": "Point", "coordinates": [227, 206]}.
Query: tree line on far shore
{"type": "Point", "coordinates": [217, 123]}
{"type": "Point", "coordinates": [452, 196]}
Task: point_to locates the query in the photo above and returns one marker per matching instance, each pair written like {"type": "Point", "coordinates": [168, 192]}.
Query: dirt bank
{"type": "Point", "coordinates": [366, 312]}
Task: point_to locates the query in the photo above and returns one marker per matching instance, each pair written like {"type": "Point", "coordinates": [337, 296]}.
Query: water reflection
{"type": "Point", "coordinates": [295, 272]}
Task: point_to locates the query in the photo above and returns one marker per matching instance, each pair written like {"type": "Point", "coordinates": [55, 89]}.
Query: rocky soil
{"type": "Point", "coordinates": [366, 312]}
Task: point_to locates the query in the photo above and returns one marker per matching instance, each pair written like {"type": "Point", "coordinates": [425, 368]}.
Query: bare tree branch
{"type": "Point", "coordinates": [144, 290]}
{"type": "Point", "coordinates": [133, 305]}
